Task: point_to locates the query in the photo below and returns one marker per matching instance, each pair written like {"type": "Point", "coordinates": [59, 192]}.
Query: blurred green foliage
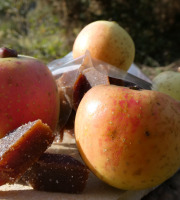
{"type": "Point", "coordinates": [47, 29]}
{"type": "Point", "coordinates": [32, 29]}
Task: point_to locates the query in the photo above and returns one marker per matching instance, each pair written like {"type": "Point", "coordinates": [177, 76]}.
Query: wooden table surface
{"type": "Point", "coordinates": [95, 188]}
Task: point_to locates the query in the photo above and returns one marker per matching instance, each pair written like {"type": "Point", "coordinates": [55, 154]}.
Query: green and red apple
{"type": "Point", "coordinates": [27, 92]}
{"type": "Point", "coordinates": [130, 139]}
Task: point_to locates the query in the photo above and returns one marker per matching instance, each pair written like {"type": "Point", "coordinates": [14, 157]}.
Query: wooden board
{"type": "Point", "coordinates": [95, 188]}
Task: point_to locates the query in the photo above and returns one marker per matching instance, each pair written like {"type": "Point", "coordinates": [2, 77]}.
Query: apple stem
{"type": "Point", "coordinates": [7, 53]}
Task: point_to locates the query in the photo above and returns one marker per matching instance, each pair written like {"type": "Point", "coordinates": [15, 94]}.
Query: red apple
{"type": "Point", "coordinates": [27, 92]}
{"type": "Point", "coordinates": [130, 139]}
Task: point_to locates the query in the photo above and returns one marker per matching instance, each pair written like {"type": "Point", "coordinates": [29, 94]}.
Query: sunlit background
{"type": "Point", "coordinates": [46, 29]}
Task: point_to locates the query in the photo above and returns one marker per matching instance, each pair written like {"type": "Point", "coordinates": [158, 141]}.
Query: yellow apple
{"type": "Point", "coordinates": [106, 41]}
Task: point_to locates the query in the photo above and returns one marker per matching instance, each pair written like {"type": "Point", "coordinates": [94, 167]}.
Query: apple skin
{"type": "Point", "coordinates": [27, 92]}
{"type": "Point", "coordinates": [106, 41]}
{"type": "Point", "coordinates": [129, 139]}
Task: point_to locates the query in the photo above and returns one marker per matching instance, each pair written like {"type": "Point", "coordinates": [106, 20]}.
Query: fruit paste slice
{"type": "Point", "coordinates": [21, 148]}
{"type": "Point", "coordinates": [57, 173]}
